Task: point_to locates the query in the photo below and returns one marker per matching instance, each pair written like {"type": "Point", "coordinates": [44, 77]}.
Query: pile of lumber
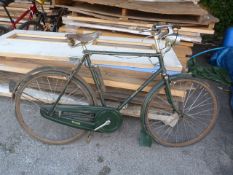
{"type": "Point", "coordinates": [17, 8]}
{"type": "Point", "coordinates": [128, 18]}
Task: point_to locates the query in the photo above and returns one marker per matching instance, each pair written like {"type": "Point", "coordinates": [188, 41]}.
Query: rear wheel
{"type": "Point", "coordinates": [43, 88]}
{"type": "Point", "coordinates": [31, 25]}
{"type": "Point", "coordinates": [197, 113]}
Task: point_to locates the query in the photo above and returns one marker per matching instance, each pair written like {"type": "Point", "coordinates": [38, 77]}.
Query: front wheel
{"type": "Point", "coordinates": [43, 88]}
{"type": "Point", "coordinates": [194, 117]}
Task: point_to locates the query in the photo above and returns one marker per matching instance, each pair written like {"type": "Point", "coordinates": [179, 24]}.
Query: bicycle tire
{"type": "Point", "coordinates": [34, 24]}
{"type": "Point", "coordinates": [44, 87]}
{"type": "Point", "coordinates": [3, 30]}
{"type": "Point", "coordinates": [192, 124]}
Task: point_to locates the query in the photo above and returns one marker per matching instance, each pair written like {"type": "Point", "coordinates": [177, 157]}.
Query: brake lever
{"type": "Point", "coordinates": [170, 32]}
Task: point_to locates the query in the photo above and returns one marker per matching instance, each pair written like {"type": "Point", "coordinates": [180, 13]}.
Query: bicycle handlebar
{"type": "Point", "coordinates": [159, 28]}
{"type": "Point", "coordinates": [167, 33]}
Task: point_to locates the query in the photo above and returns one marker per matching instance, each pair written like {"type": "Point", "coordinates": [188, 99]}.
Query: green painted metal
{"type": "Point", "coordinates": [148, 81]}
{"type": "Point", "coordinates": [96, 77]}
{"type": "Point", "coordinates": [113, 115]}
{"type": "Point", "coordinates": [139, 54]}
{"type": "Point", "coordinates": [144, 138]}
{"type": "Point", "coordinates": [149, 96]}
{"type": "Point", "coordinates": [84, 117]}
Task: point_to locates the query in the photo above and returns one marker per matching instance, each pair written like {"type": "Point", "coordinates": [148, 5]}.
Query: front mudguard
{"type": "Point", "coordinates": [149, 96]}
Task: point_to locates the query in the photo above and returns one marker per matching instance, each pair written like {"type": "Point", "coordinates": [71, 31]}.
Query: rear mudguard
{"type": "Point", "coordinates": [48, 68]}
{"type": "Point", "coordinates": [149, 96]}
{"type": "Point", "coordinates": [27, 76]}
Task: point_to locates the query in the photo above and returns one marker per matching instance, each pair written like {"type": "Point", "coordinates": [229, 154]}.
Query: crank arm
{"type": "Point", "coordinates": [108, 122]}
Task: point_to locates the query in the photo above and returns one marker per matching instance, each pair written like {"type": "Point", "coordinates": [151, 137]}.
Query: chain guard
{"type": "Point", "coordinates": [100, 116]}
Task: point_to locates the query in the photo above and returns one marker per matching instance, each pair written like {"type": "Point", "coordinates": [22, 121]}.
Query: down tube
{"type": "Point", "coordinates": [149, 80]}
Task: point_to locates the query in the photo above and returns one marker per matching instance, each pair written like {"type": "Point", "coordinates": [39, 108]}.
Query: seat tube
{"type": "Point", "coordinates": [96, 79]}
{"type": "Point", "coordinates": [78, 67]}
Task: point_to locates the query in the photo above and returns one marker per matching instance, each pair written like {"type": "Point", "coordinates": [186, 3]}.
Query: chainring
{"type": "Point", "coordinates": [114, 116]}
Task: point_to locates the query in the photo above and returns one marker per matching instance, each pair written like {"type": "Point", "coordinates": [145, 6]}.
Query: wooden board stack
{"type": "Point", "coordinates": [17, 8]}
{"type": "Point", "coordinates": [128, 18]}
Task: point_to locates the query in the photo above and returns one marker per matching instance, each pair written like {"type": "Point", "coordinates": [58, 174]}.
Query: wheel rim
{"type": "Point", "coordinates": [198, 111]}
{"type": "Point", "coordinates": [44, 89]}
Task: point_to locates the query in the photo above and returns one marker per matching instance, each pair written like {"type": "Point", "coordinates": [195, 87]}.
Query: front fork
{"type": "Point", "coordinates": [169, 93]}
{"type": "Point", "coordinates": [167, 82]}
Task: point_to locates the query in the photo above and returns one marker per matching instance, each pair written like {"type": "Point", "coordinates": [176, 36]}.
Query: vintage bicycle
{"type": "Point", "coordinates": [36, 20]}
{"type": "Point", "coordinates": [57, 107]}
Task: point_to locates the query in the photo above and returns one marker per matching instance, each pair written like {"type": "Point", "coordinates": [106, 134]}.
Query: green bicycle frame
{"type": "Point", "coordinates": [87, 61]}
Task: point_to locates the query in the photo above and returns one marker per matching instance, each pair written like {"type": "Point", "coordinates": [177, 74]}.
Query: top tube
{"type": "Point", "coordinates": [90, 52]}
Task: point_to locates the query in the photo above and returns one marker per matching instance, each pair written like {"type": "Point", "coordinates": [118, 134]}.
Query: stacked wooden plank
{"type": "Point", "coordinates": [17, 8]}
{"type": "Point", "coordinates": [129, 18]}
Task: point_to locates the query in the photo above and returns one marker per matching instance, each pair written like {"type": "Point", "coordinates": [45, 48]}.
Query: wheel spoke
{"type": "Point", "coordinates": [196, 99]}
{"type": "Point", "coordinates": [200, 105]}
{"type": "Point", "coordinates": [197, 113]}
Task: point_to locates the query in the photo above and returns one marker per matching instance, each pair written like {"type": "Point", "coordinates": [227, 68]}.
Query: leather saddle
{"type": "Point", "coordinates": [83, 38]}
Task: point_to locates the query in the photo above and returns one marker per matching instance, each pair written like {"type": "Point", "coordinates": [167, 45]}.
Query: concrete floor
{"type": "Point", "coordinates": [115, 154]}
